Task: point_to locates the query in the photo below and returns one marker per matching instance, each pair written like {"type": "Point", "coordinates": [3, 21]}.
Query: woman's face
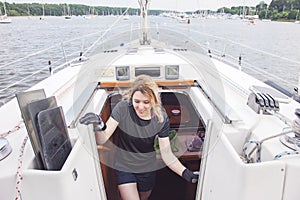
{"type": "Point", "coordinates": [142, 105]}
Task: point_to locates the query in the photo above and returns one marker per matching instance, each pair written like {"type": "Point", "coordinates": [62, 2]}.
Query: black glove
{"type": "Point", "coordinates": [92, 118]}
{"type": "Point", "coordinates": [190, 176]}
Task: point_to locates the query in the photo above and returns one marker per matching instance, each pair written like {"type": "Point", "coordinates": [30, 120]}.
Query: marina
{"type": "Point", "coordinates": [230, 84]}
{"type": "Point", "coordinates": [233, 38]}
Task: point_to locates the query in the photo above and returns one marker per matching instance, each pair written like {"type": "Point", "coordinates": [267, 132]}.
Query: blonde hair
{"type": "Point", "coordinates": [146, 85]}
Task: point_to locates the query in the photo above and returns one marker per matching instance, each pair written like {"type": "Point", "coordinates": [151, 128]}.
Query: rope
{"type": "Point", "coordinates": [16, 128]}
{"type": "Point", "coordinates": [286, 153]}
{"type": "Point", "coordinates": [246, 155]}
{"type": "Point", "coordinates": [19, 176]}
{"type": "Point", "coordinates": [258, 145]}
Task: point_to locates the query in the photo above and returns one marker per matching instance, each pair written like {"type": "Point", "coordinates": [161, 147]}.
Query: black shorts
{"type": "Point", "coordinates": [145, 181]}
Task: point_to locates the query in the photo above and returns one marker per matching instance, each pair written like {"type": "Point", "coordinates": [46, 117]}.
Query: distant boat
{"type": "Point", "coordinates": [297, 20]}
{"type": "Point", "coordinates": [3, 18]}
{"type": "Point", "coordinates": [183, 18]}
{"type": "Point", "coordinates": [67, 13]}
{"type": "Point", "coordinates": [87, 17]}
{"type": "Point", "coordinates": [266, 19]}
{"type": "Point", "coordinates": [126, 17]}
{"type": "Point", "coordinates": [90, 14]}
{"type": "Point", "coordinates": [43, 13]}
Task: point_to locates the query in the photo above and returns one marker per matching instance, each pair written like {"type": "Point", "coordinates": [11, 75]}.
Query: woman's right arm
{"type": "Point", "coordinates": [102, 131]}
{"type": "Point", "coordinates": [103, 136]}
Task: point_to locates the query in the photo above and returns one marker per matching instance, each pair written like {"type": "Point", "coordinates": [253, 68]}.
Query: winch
{"type": "Point", "coordinates": [292, 140]}
{"type": "Point", "coordinates": [5, 148]}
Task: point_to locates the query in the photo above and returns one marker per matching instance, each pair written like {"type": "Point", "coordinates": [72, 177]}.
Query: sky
{"type": "Point", "coordinates": [179, 5]}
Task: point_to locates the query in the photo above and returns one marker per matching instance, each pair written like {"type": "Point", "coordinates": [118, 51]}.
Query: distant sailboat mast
{"type": "Point", "coordinates": [67, 12]}
{"type": "Point", "coordinates": [43, 11]}
{"type": "Point", "coordinates": [3, 18]}
{"type": "Point", "coordinates": [297, 18]}
{"type": "Point", "coordinates": [4, 7]}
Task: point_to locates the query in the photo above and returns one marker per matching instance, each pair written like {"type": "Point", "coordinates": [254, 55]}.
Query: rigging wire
{"type": "Point", "coordinates": [20, 81]}
{"type": "Point", "coordinates": [106, 31]}
{"type": "Point", "coordinates": [249, 47]}
{"type": "Point", "coordinates": [249, 66]}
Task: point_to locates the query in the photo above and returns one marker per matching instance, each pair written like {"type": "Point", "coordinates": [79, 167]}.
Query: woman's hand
{"type": "Point", "coordinates": [92, 118]}
{"type": "Point", "coordinates": [190, 176]}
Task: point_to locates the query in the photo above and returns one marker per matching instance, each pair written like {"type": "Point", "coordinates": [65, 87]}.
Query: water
{"type": "Point", "coordinates": [273, 47]}
{"type": "Point", "coordinates": [270, 46]}
{"type": "Point", "coordinates": [25, 36]}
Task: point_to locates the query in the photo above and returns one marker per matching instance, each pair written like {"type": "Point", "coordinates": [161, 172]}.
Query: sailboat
{"type": "Point", "coordinates": [3, 18]}
{"type": "Point", "coordinates": [297, 18]}
{"type": "Point", "coordinates": [250, 130]}
{"type": "Point", "coordinates": [183, 18]}
{"type": "Point", "coordinates": [266, 19]}
{"type": "Point", "coordinates": [43, 13]}
{"type": "Point", "coordinates": [91, 13]}
{"type": "Point", "coordinates": [126, 17]}
{"type": "Point", "coordinates": [67, 12]}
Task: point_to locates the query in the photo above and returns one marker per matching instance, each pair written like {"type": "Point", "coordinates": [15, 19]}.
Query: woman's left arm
{"type": "Point", "coordinates": [168, 157]}
{"type": "Point", "coordinates": [173, 163]}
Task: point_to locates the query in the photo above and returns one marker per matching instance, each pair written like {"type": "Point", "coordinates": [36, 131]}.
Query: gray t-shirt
{"type": "Point", "coordinates": [135, 138]}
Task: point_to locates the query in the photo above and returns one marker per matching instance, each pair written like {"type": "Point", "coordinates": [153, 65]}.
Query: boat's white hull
{"type": "Point", "coordinates": [5, 20]}
{"type": "Point", "coordinates": [219, 95]}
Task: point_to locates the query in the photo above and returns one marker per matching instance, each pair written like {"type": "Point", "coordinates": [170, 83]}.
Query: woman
{"type": "Point", "coordinates": [139, 117]}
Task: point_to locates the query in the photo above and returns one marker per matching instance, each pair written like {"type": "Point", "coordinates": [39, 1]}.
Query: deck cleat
{"type": "Point", "coordinates": [5, 148]}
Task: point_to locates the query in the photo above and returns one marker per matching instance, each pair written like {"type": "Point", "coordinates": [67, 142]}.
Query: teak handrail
{"type": "Point", "coordinates": [162, 83]}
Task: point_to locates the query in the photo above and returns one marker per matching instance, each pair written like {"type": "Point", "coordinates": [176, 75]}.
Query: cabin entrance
{"type": "Point", "coordinates": [187, 123]}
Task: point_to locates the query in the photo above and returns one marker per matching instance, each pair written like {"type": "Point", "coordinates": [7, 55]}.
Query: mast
{"type": "Point", "coordinates": [244, 10]}
{"type": "Point", "coordinates": [144, 21]}
{"type": "Point", "coordinates": [4, 7]}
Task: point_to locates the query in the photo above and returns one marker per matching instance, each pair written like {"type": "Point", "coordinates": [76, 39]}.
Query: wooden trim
{"type": "Point", "coordinates": [110, 84]}
{"type": "Point", "coordinates": [175, 83]}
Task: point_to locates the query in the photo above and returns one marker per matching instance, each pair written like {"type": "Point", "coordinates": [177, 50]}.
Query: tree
{"type": "Point", "coordinates": [262, 6]}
